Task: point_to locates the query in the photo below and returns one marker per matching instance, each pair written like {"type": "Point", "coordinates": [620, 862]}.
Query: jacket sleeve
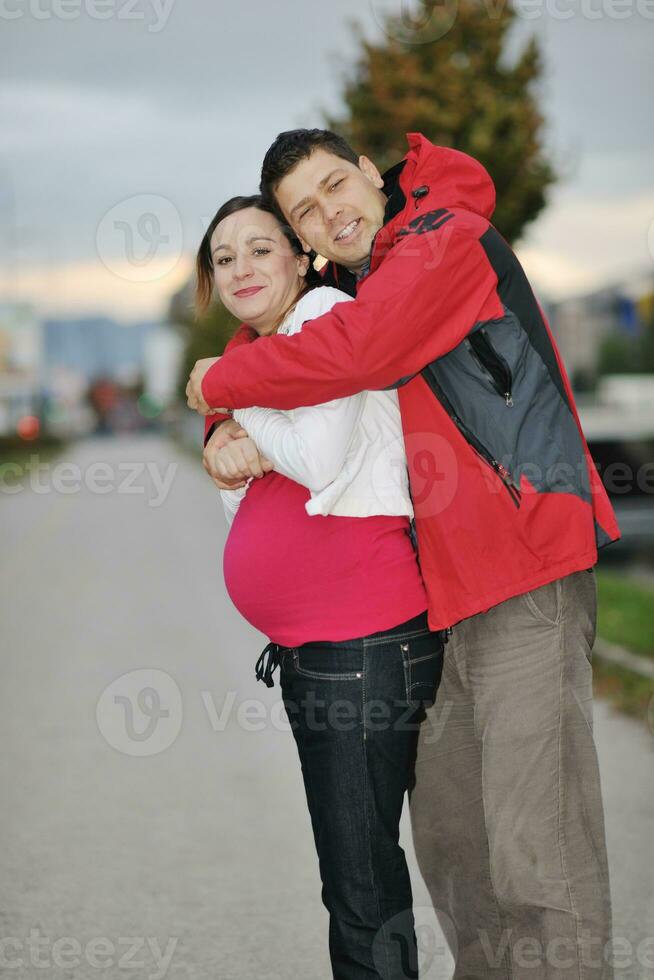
{"type": "Point", "coordinates": [231, 501]}
{"type": "Point", "coordinates": [243, 335]}
{"type": "Point", "coordinates": [311, 446]}
{"type": "Point", "coordinates": [211, 423]}
{"type": "Point", "coordinates": [416, 307]}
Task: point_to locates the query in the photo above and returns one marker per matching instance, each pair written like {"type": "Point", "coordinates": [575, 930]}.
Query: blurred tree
{"type": "Point", "coordinates": [205, 336]}
{"type": "Point", "coordinates": [646, 346]}
{"type": "Point", "coordinates": [617, 355]}
{"type": "Point", "coordinates": [622, 354]}
{"type": "Point", "coordinates": [460, 90]}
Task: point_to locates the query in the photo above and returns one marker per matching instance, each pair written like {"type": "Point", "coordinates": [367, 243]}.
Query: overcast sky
{"type": "Point", "coordinates": [125, 123]}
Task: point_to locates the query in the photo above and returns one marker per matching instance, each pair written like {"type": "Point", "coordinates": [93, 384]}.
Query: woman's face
{"type": "Point", "coordinates": [256, 273]}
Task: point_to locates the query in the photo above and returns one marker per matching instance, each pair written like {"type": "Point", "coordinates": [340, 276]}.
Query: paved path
{"type": "Point", "coordinates": [200, 851]}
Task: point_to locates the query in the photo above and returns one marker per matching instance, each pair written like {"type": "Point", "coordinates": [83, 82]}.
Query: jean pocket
{"type": "Point", "coordinates": [422, 658]}
{"type": "Point", "coordinates": [286, 660]}
{"type": "Point", "coordinates": [546, 602]}
{"type": "Point", "coordinates": [329, 663]}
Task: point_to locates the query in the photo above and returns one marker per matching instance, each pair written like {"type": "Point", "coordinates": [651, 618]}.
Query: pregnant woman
{"type": "Point", "coordinates": [320, 558]}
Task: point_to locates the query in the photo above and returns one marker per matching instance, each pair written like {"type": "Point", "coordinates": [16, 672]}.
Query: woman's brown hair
{"type": "Point", "coordinates": [204, 261]}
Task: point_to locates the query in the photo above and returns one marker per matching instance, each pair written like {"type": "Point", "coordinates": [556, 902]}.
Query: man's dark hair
{"type": "Point", "coordinates": [293, 146]}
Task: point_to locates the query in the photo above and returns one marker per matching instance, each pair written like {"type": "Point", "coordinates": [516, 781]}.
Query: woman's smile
{"type": "Point", "coordinates": [248, 291]}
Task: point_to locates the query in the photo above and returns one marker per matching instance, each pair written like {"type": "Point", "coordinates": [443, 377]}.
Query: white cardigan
{"type": "Point", "coordinates": [348, 452]}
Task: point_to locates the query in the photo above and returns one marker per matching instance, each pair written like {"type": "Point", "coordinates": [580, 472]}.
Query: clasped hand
{"type": "Point", "coordinates": [230, 457]}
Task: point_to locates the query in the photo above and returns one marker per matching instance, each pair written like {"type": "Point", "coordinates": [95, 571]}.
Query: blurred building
{"type": "Point", "coordinates": [581, 323]}
{"type": "Point", "coordinates": [619, 426]}
{"type": "Point", "coordinates": [163, 352]}
{"type": "Point", "coordinates": [51, 371]}
{"type": "Point", "coordinates": [97, 347]}
{"type": "Point", "coordinates": [21, 365]}
{"type": "Point", "coordinates": [118, 374]}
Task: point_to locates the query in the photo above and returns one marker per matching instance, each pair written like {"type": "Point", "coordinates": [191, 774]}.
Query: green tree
{"type": "Point", "coordinates": [617, 355]}
{"type": "Point", "coordinates": [450, 79]}
{"type": "Point", "coordinates": [205, 336]}
{"type": "Point", "coordinates": [624, 354]}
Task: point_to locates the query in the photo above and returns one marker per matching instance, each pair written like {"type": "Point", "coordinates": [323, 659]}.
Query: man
{"type": "Point", "coordinates": [506, 812]}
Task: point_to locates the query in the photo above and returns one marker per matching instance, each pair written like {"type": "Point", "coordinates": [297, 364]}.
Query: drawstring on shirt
{"type": "Point", "coordinates": [266, 668]}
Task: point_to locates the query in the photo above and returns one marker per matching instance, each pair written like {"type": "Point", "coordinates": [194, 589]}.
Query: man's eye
{"type": "Point", "coordinates": [340, 181]}
{"type": "Point", "coordinates": [305, 212]}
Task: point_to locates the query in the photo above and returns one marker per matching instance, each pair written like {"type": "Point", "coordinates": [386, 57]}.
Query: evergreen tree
{"type": "Point", "coordinates": [205, 336]}
{"type": "Point", "coordinates": [460, 91]}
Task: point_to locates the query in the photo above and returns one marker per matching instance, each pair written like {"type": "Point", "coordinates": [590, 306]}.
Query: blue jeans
{"type": "Point", "coordinates": [355, 709]}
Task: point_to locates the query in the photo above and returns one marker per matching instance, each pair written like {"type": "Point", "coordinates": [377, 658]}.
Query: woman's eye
{"type": "Point", "coordinates": [224, 260]}
{"type": "Point", "coordinates": [262, 251]}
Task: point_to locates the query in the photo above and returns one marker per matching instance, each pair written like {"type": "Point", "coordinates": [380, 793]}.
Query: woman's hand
{"type": "Point", "coordinates": [231, 459]}
{"type": "Point", "coordinates": [222, 434]}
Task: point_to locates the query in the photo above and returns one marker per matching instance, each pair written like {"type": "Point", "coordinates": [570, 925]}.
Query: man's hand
{"type": "Point", "coordinates": [249, 460]}
{"type": "Point", "coordinates": [194, 396]}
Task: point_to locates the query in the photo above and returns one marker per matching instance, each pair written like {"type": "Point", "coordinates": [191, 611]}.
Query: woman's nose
{"type": "Point", "coordinates": [242, 268]}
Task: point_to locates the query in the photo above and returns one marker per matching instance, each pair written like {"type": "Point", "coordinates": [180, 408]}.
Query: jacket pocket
{"type": "Point", "coordinates": [511, 486]}
{"type": "Point", "coordinates": [494, 367]}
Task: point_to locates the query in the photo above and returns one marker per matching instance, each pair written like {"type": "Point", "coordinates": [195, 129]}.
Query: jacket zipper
{"type": "Point", "coordinates": [492, 364]}
{"type": "Point", "coordinates": [511, 486]}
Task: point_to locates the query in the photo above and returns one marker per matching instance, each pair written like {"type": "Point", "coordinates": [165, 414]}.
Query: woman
{"type": "Point", "coordinates": [319, 557]}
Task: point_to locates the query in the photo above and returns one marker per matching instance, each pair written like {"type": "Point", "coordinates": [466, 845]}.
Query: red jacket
{"type": "Point", "coordinates": [242, 336]}
{"type": "Point", "coordinates": [505, 492]}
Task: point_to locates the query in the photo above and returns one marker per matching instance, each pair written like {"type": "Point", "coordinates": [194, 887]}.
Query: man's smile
{"type": "Point", "coordinates": [347, 233]}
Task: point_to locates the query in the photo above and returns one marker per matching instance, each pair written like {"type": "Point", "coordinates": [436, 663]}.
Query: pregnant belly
{"type": "Point", "coordinates": [299, 578]}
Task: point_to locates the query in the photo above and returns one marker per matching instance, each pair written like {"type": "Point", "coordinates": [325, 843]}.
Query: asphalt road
{"type": "Point", "coordinates": [152, 813]}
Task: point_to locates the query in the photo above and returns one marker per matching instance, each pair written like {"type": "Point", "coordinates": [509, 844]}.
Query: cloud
{"type": "Point", "coordinates": [94, 112]}
{"type": "Point", "coordinates": [89, 288]}
{"type": "Point", "coordinates": [582, 243]}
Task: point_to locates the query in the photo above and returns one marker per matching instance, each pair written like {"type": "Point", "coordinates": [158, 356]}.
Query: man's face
{"type": "Point", "coordinates": [334, 207]}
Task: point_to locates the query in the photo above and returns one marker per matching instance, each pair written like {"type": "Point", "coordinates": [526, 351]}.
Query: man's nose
{"type": "Point", "coordinates": [331, 211]}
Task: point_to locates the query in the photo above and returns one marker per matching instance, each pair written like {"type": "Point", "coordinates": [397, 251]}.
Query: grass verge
{"type": "Point", "coordinates": [18, 457]}
{"type": "Point", "coordinates": [626, 618]}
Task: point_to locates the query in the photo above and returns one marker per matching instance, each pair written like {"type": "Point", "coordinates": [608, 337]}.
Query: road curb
{"type": "Point", "coordinates": [613, 654]}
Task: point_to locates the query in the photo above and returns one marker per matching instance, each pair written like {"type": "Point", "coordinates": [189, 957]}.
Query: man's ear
{"type": "Point", "coordinates": [305, 245]}
{"type": "Point", "coordinates": [303, 264]}
{"type": "Point", "coordinates": [370, 170]}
